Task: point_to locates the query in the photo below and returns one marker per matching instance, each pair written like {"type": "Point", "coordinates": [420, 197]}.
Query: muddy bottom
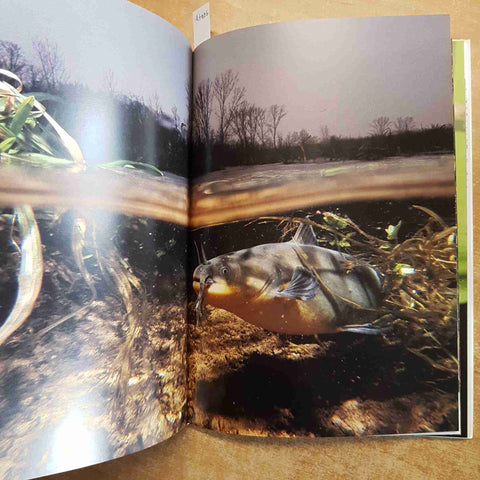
{"type": "Point", "coordinates": [246, 380]}
{"type": "Point", "coordinates": [64, 402]}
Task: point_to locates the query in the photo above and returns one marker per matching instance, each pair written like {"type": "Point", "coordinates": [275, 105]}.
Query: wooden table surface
{"type": "Point", "coordinates": [195, 453]}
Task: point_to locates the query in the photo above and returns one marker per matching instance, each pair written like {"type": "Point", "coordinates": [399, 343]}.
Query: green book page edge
{"type": "Point", "coordinates": [460, 164]}
{"type": "Point", "coordinates": [463, 166]}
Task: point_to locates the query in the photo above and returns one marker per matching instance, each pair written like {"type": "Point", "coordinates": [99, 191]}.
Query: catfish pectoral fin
{"type": "Point", "coordinates": [302, 286]}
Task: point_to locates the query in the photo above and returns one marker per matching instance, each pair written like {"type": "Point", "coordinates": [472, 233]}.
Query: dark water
{"type": "Point", "coordinates": [372, 217]}
{"type": "Point", "coordinates": [155, 250]}
{"type": "Point", "coordinates": [298, 394]}
{"type": "Point", "coordinates": [57, 390]}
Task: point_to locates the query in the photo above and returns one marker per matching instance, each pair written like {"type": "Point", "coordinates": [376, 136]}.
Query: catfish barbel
{"type": "Point", "coordinates": [292, 287]}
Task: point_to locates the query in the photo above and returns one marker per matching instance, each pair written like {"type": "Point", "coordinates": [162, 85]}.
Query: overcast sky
{"type": "Point", "coordinates": [146, 54]}
{"type": "Point", "coordinates": [340, 72]}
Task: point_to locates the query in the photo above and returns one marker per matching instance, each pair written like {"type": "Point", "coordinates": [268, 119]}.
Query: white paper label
{"type": "Point", "coordinates": [201, 25]}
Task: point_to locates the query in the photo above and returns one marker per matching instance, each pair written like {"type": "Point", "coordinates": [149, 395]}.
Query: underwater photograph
{"type": "Point", "coordinates": [323, 260]}
{"type": "Point", "coordinates": [93, 233]}
{"type": "Point", "coordinates": [330, 323]}
{"type": "Point", "coordinates": [97, 368]}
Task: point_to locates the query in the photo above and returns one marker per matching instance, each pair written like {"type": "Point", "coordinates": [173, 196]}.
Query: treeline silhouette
{"type": "Point", "coordinates": [107, 125]}
{"type": "Point", "coordinates": [228, 131]}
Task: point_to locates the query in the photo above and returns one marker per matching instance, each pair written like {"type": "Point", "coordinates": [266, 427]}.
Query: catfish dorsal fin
{"type": "Point", "coordinates": [305, 235]}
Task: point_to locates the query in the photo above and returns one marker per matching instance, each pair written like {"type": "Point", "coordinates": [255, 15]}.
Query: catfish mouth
{"type": "Point", "coordinates": [199, 285]}
{"type": "Point", "coordinates": [210, 291]}
{"type": "Point", "coordinates": [197, 282]}
{"type": "Point", "coordinates": [208, 285]}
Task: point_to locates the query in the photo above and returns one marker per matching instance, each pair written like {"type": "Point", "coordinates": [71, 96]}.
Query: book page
{"type": "Point", "coordinates": [324, 299]}
{"type": "Point", "coordinates": [464, 199]}
{"type": "Point", "coordinates": [93, 219]}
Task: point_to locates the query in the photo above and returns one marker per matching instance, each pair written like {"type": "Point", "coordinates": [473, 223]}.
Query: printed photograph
{"type": "Point", "coordinates": [93, 233]}
{"type": "Point", "coordinates": [323, 265]}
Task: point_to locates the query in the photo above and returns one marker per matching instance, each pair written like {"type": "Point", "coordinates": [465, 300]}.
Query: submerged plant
{"type": "Point", "coordinates": [30, 137]}
{"type": "Point", "coordinates": [30, 271]}
{"type": "Point", "coordinates": [25, 140]}
{"type": "Point", "coordinates": [420, 273]}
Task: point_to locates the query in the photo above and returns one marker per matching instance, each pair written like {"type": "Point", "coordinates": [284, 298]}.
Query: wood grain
{"type": "Point", "coordinates": [204, 455]}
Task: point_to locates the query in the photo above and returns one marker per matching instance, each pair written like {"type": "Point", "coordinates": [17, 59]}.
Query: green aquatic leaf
{"type": "Point", "coordinates": [40, 144]}
{"type": "Point", "coordinates": [31, 122]}
{"type": "Point", "coordinates": [333, 171]}
{"type": "Point", "coordinates": [392, 231]}
{"type": "Point", "coordinates": [21, 115]}
{"type": "Point", "coordinates": [403, 269]}
{"type": "Point", "coordinates": [41, 160]}
{"type": "Point", "coordinates": [47, 160]}
{"type": "Point", "coordinates": [334, 221]}
{"type": "Point", "coordinates": [7, 144]}
{"type": "Point", "coordinates": [341, 242]}
{"type": "Point", "coordinates": [5, 132]}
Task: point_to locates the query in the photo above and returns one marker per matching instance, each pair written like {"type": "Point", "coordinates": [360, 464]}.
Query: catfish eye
{"type": "Point", "coordinates": [224, 270]}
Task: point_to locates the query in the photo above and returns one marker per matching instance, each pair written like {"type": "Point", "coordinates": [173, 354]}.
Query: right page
{"type": "Point", "coordinates": [324, 298]}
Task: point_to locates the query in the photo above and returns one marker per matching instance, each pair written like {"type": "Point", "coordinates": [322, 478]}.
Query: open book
{"type": "Point", "coordinates": [259, 239]}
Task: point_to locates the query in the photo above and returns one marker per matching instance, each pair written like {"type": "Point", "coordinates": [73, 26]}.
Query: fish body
{"type": "Point", "coordinates": [293, 287]}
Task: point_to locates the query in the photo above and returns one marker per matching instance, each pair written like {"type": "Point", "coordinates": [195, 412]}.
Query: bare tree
{"type": "Point", "coordinates": [409, 123]}
{"type": "Point", "coordinates": [256, 124]}
{"type": "Point", "coordinates": [380, 126]}
{"type": "Point", "coordinates": [252, 124]}
{"type": "Point", "coordinates": [277, 112]}
{"type": "Point", "coordinates": [155, 105]}
{"type": "Point", "coordinates": [262, 127]}
{"type": "Point", "coordinates": [12, 58]}
{"type": "Point", "coordinates": [240, 122]}
{"type": "Point", "coordinates": [325, 132]}
{"type": "Point", "coordinates": [228, 96]}
{"type": "Point", "coordinates": [300, 139]}
{"type": "Point", "coordinates": [110, 83]}
{"type": "Point", "coordinates": [306, 138]}
{"type": "Point", "coordinates": [188, 99]}
{"type": "Point", "coordinates": [291, 139]}
{"type": "Point", "coordinates": [176, 118]}
{"type": "Point", "coordinates": [202, 107]}
{"type": "Point", "coordinates": [404, 124]}
{"type": "Point", "coordinates": [249, 124]}
{"type": "Point", "coordinates": [33, 78]}
{"type": "Point", "coordinates": [50, 64]}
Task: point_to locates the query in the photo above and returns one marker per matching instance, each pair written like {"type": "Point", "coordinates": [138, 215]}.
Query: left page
{"type": "Point", "coordinates": [93, 215]}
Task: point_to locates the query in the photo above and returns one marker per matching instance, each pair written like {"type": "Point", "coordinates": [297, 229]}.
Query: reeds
{"type": "Point", "coordinates": [29, 136]}
{"type": "Point", "coordinates": [25, 140]}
